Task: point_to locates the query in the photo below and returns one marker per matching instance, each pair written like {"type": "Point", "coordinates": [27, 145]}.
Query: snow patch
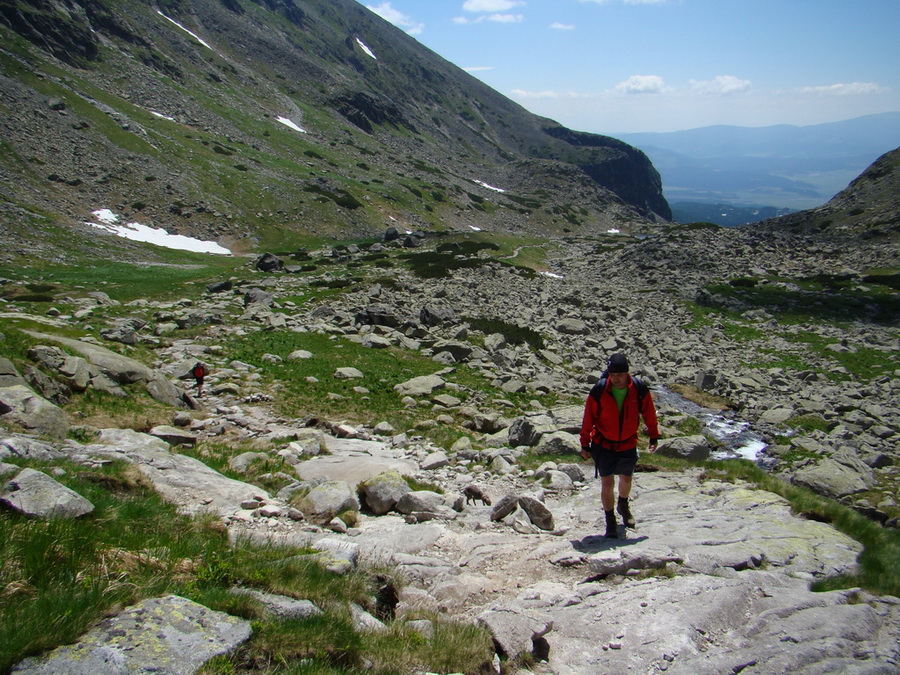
{"type": "Point", "coordinates": [475, 227]}
{"type": "Point", "coordinates": [160, 115]}
{"type": "Point", "coordinates": [193, 35]}
{"type": "Point", "coordinates": [612, 231]}
{"type": "Point", "coordinates": [489, 187]}
{"type": "Point", "coordinates": [288, 123]}
{"type": "Point", "coordinates": [366, 49]}
{"type": "Point", "coordinates": [153, 235]}
{"type": "Point", "coordinates": [552, 275]}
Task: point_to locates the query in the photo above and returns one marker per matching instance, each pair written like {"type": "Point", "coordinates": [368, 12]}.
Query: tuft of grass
{"type": "Point", "coordinates": [58, 577]}
{"type": "Point", "coordinates": [514, 334]}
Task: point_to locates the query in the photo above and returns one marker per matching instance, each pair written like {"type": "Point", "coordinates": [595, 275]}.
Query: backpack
{"type": "Point", "coordinates": [200, 370]}
{"type": "Point", "coordinates": [639, 384]}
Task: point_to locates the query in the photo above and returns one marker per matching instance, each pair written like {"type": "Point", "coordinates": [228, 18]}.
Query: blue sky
{"type": "Point", "coordinates": [609, 66]}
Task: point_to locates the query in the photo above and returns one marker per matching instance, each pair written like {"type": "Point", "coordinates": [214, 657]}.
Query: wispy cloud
{"type": "Point", "coordinates": [398, 18]}
{"type": "Point", "coordinates": [477, 69]}
{"type": "Point", "coordinates": [848, 89]}
{"type": "Point", "coordinates": [562, 26]}
{"type": "Point", "coordinates": [496, 18]}
{"type": "Point", "coordinates": [495, 11]}
{"type": "Point", "coordinates": [490, 5]}
{"type": "Point", "coordinates": [642, 84]}
{"type": "Point", "coordinates": [721, 84]}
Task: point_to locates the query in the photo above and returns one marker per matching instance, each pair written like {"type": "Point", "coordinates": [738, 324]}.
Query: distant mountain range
{"type": "Point", "coordinates": [783, 166]}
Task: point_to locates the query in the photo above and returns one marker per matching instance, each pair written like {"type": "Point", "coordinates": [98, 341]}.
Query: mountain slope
{"type": "Point", "coordinates": [264, 121]}
{"type": "Point", "coordinates": [869, 207]}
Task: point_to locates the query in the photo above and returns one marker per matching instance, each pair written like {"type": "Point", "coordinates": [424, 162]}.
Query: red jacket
{"type": "Point", "coordinates": [609, 427]}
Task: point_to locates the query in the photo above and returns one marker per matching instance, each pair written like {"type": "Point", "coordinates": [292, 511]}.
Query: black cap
{"type": "Point", "coordinates": [617, 364]}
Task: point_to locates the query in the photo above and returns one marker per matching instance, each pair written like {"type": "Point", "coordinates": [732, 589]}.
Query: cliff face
{"type": "Point", "coordinates": [237, 118]}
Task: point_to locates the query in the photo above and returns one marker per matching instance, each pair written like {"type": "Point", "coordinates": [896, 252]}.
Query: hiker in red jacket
{"type": "Point", "coordinates": [609, 434]}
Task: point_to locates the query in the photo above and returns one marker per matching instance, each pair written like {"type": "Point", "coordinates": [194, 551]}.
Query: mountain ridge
{"type": "Point", "coordinates": [175, 109]}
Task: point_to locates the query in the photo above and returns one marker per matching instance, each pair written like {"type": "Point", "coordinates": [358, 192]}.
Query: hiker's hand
{"type": "Point", "coordinates": [651, 448]}
{"type": "Point", "coordinates": [585, 453]}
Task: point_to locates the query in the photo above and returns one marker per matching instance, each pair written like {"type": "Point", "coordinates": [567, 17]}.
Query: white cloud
{"type": "Point", "coordinates": [642, 84]}
{"type": "Point", "coordinates": [721, 84]}
{"type": "Point", "coordinates": [562, 26]}
{"type": "Point", "coordinates": [506, 18]}
{"type": "Point", "coordinates": [477, 69]}
{"type": "Point", "coordinates": [396, 17]}
{"type": "Point", "coordinates": [490, 5]}
{"type": "Point", "coordinates": [496, 18]}
{"type": "Point", "coordinates": [849, 89]}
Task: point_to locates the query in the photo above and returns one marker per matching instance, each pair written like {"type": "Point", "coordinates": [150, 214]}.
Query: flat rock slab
{"type": "Point", "coordinates": [169, 635]}
{"type": "Point", "coordinates": [353, 461]}
{"type": "Point", "coordinates": [187, 482]}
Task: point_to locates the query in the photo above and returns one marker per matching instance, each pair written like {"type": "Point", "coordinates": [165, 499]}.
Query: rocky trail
{"type": "Point", "coordinates": [715, 578]}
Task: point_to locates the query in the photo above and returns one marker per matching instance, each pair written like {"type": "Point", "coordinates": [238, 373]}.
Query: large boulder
{"type": "Point", "coordinates": [327, 500]}
{"type": "Point", "coordinates": [420, 386]}
{"type": "Point", "coordinates": [837, 476]}
{"type": "Point", "coordinates": [120, 369]}
{"type": "Point", "coordinates": [381, 493]}
{"type": "Point", "coordinates": [162, 635]}
{"type": "Point", "coordinates": [21, 405]}
{"type": "Point", "coordinates": [35, 494]}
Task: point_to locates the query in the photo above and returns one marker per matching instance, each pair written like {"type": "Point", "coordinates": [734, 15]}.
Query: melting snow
{"type": "Point", "coordinates": [153, 235]}
{"type": "Point", "coordinates": [193, 35]}
{"type": "Point", "coordinates": [612, 231]}
{"type": "Point", "coordinates": [366, 49]}
{"type": "Point", "coordinates": [489, 187]}
{"type": "Point", "coordinates": [288, 123]}
{"type": "Point", "coordinates": [552, 275]}
{"type": "Point", "coordinates": [165, 117]}
{"type": "Point", "coordinates": [475, 227]}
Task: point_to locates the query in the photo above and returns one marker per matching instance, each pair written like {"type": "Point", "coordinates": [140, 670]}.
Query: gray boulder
{"type": "Point", "coordinates": [21, 405]}
{"type": "Point", "coordinates": [325, 501]}
{"type": "Point", "coordinates": [559, 443]}
{"type": "Point", "coordinates": [9, 376]}
{"type": "Point", "coordinates": [381, 493]}
{"type": "Point", "coordinates": [281, 606]}
{"type": "Point", "coordinates": [269, 262]}
{"type": "Point", "coordinates": [35, 494]}
{"type": "Point", "coordinates": [118, 368]}
{"type": "Point", "coordinates": [163, 635]}
{"type": "Point", "coordinates": [837, 476]}
{"type": "Point", "coordinates": [420, 386]}
{"type": "Point", "coordinates": [696, 447]}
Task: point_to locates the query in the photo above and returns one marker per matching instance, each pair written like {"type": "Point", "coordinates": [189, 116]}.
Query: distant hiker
{"type": "Point", "coordinates": [609, 434]}
{"type": "Point", "coordinates": [199, 371]}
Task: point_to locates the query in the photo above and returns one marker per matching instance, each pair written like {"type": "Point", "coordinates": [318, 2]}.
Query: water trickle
{"type": "Point", "coordinates": [736, 436]}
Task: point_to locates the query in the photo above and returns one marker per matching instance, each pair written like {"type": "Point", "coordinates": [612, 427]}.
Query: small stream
{"type": "Point", "coordinates": [738, 439]}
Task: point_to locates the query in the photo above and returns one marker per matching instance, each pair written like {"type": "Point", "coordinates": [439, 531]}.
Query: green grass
{"type": "Point", "coordinates": [58, 577]}
{"type": "Point", "coordinates": [820, 301]}
{"type": "Point", "coordinates": [332, 398]}
{"type": "Point", "coordinates": [125, 282]}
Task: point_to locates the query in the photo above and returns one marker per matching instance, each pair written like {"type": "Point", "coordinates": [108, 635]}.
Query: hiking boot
{"type": "Point", "coordinates": [612, 528]}
{"type": "Point", "coordinates": [625, 512]}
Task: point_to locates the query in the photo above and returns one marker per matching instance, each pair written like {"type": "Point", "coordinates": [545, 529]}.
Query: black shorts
{"type": "Point", "coordinates": [609, 462]}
